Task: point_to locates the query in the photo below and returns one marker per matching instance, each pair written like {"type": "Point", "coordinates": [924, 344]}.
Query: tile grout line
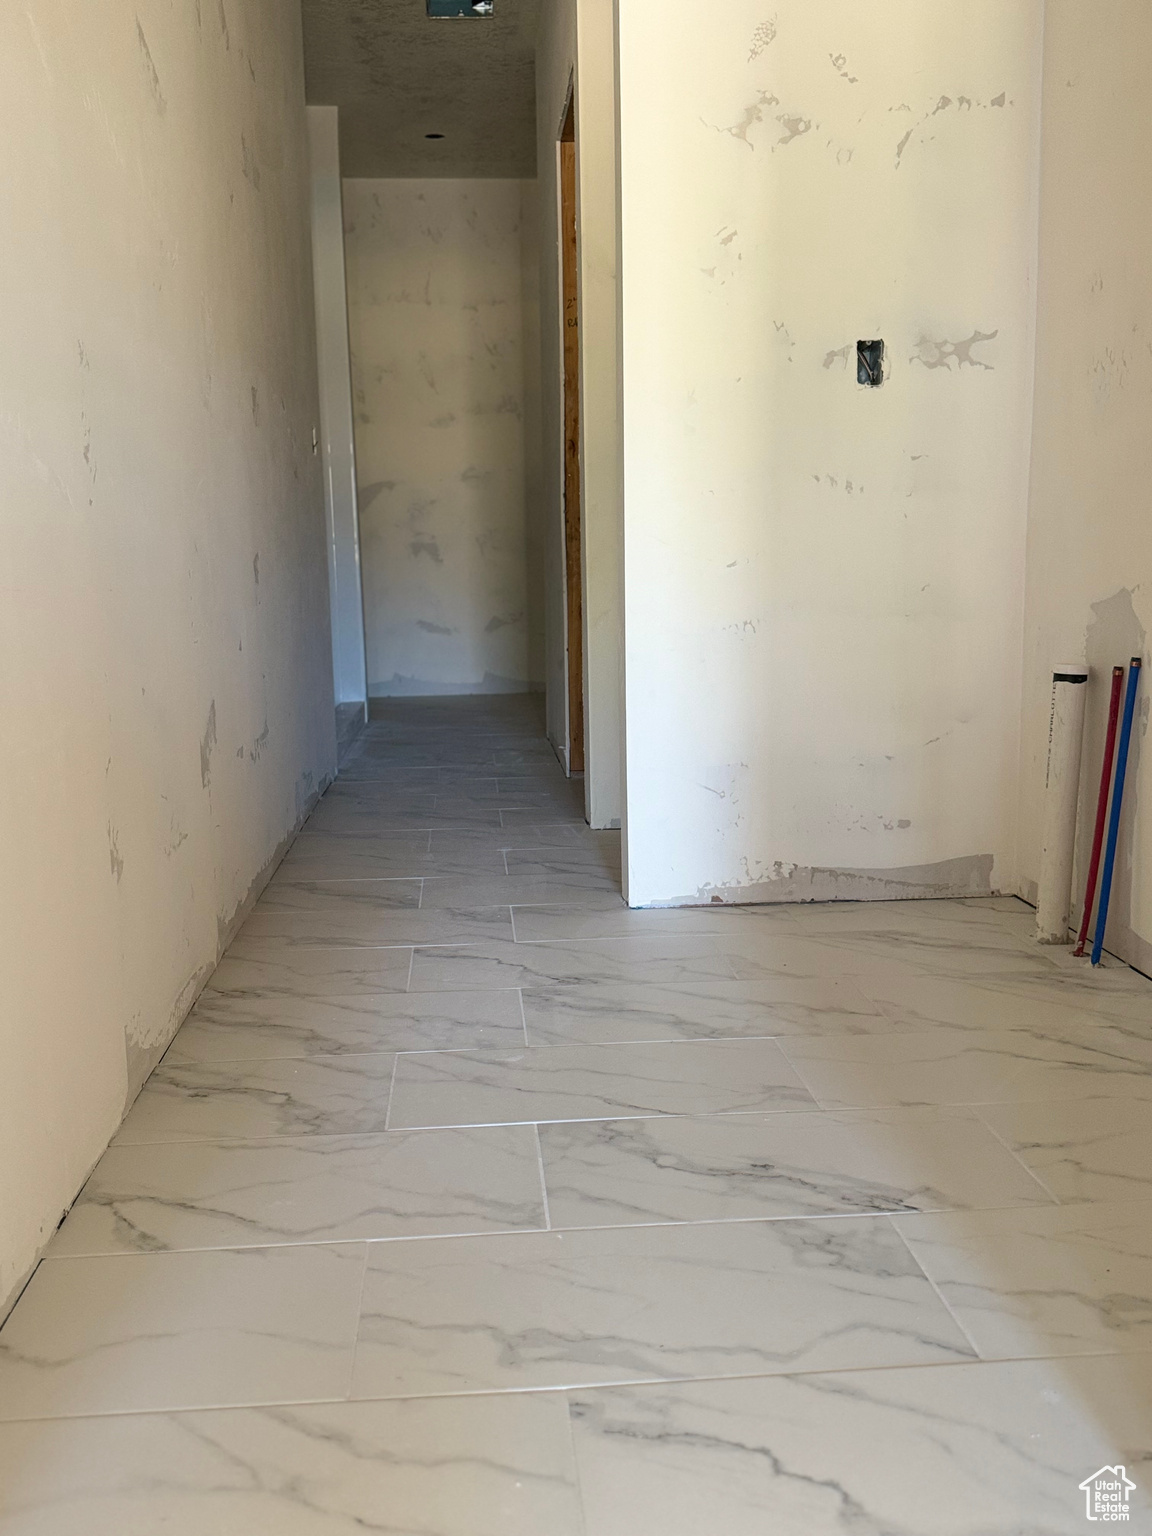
{"type": "Point", "coordinates": [356, 1331]}
{"type": "Point", "coordinates": [543, 1177]}
{"type": "Point", "coordinates": [578, 1480]}
{"type": "Point", "coordinates": [668, 1224]}
{"type": "Point", "coordinates": [391, 1090]}
{"type": "Point", "coordinates": [1011, 1151]}
{"type": "Point", "coordinates": [656, 1383]}
{"type": "Point", "coordinates": [971, 1342]}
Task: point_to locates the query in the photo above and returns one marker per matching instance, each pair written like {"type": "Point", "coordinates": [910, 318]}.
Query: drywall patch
{"type": "Point", "coordinates": [208, 746]}
{"type": "Point", "coordinates": [753, 114]}
{"type": "Point", "coordinates": [971, 876]}
{"type": "Point", "coordinates": [501, 621]}
{"type": "Point", "coordinates": [763, 38]}
{"type": "Point", "coordinates": [794, 127]}
{"type": "Point", "coordinates": [942, 354]}
{"type": "Point", "coordinates": [426, 545]}
{"type": "Point", "coordinates": [840, 65]}
{"type": "Point", "coordinates": [368, 493]}
{"type": "Point", "coordinates": [1115, 633]}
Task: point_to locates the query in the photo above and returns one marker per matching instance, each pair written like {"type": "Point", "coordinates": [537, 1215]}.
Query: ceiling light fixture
{"type": "Point", "coordinates": [460, 7]}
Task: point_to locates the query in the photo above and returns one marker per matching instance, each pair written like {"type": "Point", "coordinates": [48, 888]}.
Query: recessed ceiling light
{"type": "Point", "coordinates": [460, 7]}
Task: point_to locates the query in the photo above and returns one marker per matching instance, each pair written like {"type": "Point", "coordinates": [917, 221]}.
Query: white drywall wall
{"type": "Point", "coordinates": [337, 441]}
{"type": "Point", "coordinates": [1089, 593]}
{"type": "Point", "coordinates": [436, 307]}
{"type": "Point", "coordinates": [165, 671]}
{"type": "Point", "coordinates": [578, 44]}
{"type": "Point", "coordinates": [824, 584]}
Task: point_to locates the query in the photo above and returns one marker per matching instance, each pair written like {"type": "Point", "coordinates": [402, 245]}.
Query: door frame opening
{"type": "Point", "coordinates": [573, 512]}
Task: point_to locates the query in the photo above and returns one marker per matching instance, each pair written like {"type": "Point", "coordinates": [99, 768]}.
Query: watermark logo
{"type": "Point", "coordinates": [1107, 1494]}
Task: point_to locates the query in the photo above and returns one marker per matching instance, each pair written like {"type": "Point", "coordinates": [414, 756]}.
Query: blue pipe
{"type": "Point", "coordinates": [1117, 806]}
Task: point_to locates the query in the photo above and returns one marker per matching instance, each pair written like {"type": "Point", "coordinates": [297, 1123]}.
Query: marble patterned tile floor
{"type": "Point", "coordinates": [469, 1202]}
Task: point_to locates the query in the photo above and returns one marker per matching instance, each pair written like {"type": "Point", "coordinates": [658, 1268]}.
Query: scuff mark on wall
{"type": "Point", "coordinates": [434, 629]}
{"type": "Point", "coordinates": [176, 839]}
{"type": "Point", "coordinates": [1108, 371]}
{"type": "Point", "coordinates": [248, 163]}
{"type": "Point", "coordinates": [841, 355]}
{"type": "Point", "coordinates": [259, 744]}
{"type": "Point", "coordinates": [114, 857]}
{"type": "Point", "coordinates": [150, 70]}
{"type": "Point", "coordinates": [208, 746]}
{"type": "Point", "coordinates": [942, 354]}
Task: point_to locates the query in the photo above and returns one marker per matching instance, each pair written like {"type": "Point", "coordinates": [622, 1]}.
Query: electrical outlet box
{"type": "Point", "coordinates": [870, 363]}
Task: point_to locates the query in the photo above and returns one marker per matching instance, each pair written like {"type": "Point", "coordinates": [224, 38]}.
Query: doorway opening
{"type": "Point", "coordinates": [573, 533]}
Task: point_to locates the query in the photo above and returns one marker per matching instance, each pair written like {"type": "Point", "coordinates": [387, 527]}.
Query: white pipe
{"type": "Point", "coordinates": [1061, 797]}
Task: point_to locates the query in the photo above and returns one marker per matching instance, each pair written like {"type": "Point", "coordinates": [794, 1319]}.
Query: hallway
{"type": "Point", "coordinates": [736, 1214]}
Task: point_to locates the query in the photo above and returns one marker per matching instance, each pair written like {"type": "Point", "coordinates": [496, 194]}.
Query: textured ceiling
{"type": "Point", "coordinates": [397, 75]}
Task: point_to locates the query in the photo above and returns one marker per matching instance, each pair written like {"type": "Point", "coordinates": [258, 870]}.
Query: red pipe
{"type": "Point", "coordinates": [1102, 806]}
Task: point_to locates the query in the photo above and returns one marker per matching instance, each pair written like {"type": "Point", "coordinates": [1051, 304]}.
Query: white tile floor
{"type": "Point", "coordinates": [469, 1203]}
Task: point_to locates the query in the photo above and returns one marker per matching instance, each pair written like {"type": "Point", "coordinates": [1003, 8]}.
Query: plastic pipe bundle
{"type": "Point", "coordinates": [1117, 807]}
{"type": "Point", "coordinates": [1101, 806]}
{"type": "Point", "coordinates": [1061, 796]}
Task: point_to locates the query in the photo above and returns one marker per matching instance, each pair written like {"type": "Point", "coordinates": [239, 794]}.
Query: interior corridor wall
{"type": "Point", "coordinates": [1089, 594]}
{"type": "Point", "coordinates": [165, 667]}
{"type": "Point", "coordinates": [437, 304]}
{"type": "Point", "coordinates": [824, 582]}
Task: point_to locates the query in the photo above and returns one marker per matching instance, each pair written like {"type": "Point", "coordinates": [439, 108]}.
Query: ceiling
{"type": "Point", "coordinates": [396, 75]}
